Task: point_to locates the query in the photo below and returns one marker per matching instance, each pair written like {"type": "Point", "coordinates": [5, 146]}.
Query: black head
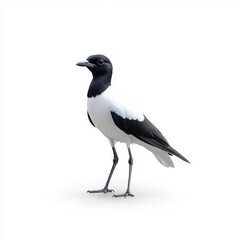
{"type": "Point", "coordinates": [101, 69]}
{"type": "Point", "coordinates": [98, 65]}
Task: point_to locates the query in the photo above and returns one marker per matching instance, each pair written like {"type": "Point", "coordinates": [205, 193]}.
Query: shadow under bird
{"type": "Point", "coordinates": [119, 119]}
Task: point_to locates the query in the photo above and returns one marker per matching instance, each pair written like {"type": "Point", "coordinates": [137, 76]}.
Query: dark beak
{"type": "Point", "coordinates": [85, 64]}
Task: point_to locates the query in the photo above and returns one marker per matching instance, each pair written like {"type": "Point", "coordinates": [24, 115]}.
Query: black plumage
{"type": "Point", "coordinates": [146, 132]}
{"type": "Point", "coordinates": [90, 120]}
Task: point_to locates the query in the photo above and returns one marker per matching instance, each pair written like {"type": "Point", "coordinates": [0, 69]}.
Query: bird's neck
{"type": "Point", "coordinates": [99, 84]}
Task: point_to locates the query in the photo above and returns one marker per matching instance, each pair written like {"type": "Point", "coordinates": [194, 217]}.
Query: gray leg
{"type": "Point", "coordinates": [127, 193]}
{"type": "Point", "coordinates": [105, 189]}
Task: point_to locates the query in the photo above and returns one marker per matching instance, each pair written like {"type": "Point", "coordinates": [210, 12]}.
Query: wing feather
{"type": "Point", "coordinates": [90, 120]}
{"type": "Point", "coordinates": [146, 132]}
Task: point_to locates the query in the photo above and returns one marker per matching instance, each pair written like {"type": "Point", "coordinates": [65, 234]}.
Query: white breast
{"type": "Point", "coordinates": [100, 107]}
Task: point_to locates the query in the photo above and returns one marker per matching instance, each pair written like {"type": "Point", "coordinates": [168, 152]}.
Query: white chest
{"type": "Point", "coordinates": [101, 106]}
{"type": "Point", "coordinates": [100, 113]}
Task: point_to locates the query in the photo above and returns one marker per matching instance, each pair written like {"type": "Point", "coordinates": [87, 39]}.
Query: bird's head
{"type": "Point", "coordinates": [98, 65]}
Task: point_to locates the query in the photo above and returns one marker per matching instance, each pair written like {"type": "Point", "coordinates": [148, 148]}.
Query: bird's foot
{"type": "Point", "coordinates": [104, 190]}
{"type": "Point", "coordinates": [126, 194]}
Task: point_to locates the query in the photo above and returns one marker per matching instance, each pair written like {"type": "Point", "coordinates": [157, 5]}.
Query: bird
{"type": "Point", "coordinates": [120, 119]}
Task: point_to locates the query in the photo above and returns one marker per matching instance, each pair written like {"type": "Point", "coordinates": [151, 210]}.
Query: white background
{"type": "Point", "coordinates": [179, 61]}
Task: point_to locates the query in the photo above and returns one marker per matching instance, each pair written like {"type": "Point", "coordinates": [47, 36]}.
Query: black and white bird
{"type": "Point", "coordinates": [119, 119]}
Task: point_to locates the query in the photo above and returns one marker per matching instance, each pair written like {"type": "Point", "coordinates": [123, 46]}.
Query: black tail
{"type": "Point", "coordinates": [176, 153]}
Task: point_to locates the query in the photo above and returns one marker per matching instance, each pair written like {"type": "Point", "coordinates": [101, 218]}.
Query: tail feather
{"type": "Point", "coordinates": [164, 159]}
{"type": "Point", "coordinates": [177, 154]}
{"type": "Point", "coordinates": [163, 156]}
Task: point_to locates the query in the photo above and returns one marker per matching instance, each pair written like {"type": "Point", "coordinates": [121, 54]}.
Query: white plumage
{"type": "Point", "coordinates": [99, 109]}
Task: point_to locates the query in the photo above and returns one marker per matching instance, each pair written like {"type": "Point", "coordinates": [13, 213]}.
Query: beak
{"type": "Point", "coordinates": [85, 64]}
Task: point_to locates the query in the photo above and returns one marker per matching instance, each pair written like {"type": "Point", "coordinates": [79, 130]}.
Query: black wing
{"type": "Point", "coordinates": [146, 132]}
{"type": "Point", "coordinates": [90, 120]}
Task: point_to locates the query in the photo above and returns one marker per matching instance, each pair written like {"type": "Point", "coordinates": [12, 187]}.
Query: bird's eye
{"type": "Point", "coordinates": [100, 61]}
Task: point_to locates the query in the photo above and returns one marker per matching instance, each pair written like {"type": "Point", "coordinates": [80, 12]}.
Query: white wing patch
{"type": "Point", "coordinates": [122, 105]}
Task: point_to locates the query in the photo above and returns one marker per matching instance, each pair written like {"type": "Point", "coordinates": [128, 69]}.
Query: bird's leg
{"type": "Point", "coordinates": [105, 189]}
{"type": "Point", "coordinates": [127, 193]}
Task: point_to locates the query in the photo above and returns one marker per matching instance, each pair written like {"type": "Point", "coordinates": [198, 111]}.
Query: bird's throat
{"type": "Point", "coordinates": [99, 84]}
